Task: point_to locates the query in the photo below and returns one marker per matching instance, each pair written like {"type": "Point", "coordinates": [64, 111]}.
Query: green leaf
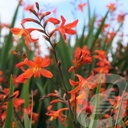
{"type": "Point", "coordinates": [99, 30]}
{"type": "Point", "coordinates": [63, 51]}
{"type": "Point", "coordinates": [25, 93]}
{"type": "Point", "coordinates": [9, 114]}
{"type": "Point", "coordinates": [94, 116]}
{"type": "Point", "coordinates": [90, 36]}
{"type": "Point", "coordinates": [8, 44]}
{"type": "Point", "coordinates": [26, 120]}
{"type": "Point", "coordinates": [89, 10]}
{"type": "Point", "coordinates": [64, 55]}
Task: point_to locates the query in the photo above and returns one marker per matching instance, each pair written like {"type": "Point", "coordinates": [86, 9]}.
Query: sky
{"type": "Point", "coordinates": [7, 7]}
{"type": "Point", "coordinates": [64, 7]}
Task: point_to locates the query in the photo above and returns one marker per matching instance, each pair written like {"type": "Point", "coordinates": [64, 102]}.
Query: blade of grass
{"type": "Point", "coordinates": [89, 10]}
{"type": "Point", "coordinates": [25, 93]}
{"type": "Point", "coordinates": [99, 30]}
{"type": "Point", "coordinates": [9, 114]}
{"type": "Point", "coordinates": [42, 90]}
{"type": "Point", "coordinates": [26, 120]}
{"type": "Point", "coordinates": [8, 43]}
{"type": "Point", "coordinates": [90, 36]}
{"type": "Point", "coordinates": [94, 116]}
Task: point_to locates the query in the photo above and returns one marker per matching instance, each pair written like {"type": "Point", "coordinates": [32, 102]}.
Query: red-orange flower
{"type": "Point", "coordinates": [26, 33]}
{"type": "Point", "coordinates": [66, 29]}
{"type": "Point", "coordinates": [111, 7]}
{"type": "Point", "coordinates": [103, 63]}
{"type": "Point", "coordinates": [30, 113]}
{"type": "Point", "coordinates": [36, 68]}
{"type": "Point", "coordinates": [57, 114]}
{"type": "Point", "coordinates": [53, 20]}
{"type": "Point", "coordinates": [111, 35]}
{"type": "Point", "coordinates": [82, 56]}
{"type": "Point", "coordinates": [81, 6]}
{"type": "Point", "coordinates": [81, 86]}
{"type": "Point", "coordinates": [120, 18]}
{"type": "Point", "coordinates": [29, 7]}
{"type": "Point", "coordinates": [4, 98]}
{"type": "Point", "coordinates": [105, 26]}
{"type": "Point", "coordinates": [18, 102]}
{"type": "Point", "coordinates": [1, 78]}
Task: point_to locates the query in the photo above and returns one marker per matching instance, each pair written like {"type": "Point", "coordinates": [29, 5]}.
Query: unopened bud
{"type": "Point", "coordinates": [45, 14]}
{"type": "Point", "coordinates": [34, 12]}
{"type": "Point", "coordinates": [37, 5]}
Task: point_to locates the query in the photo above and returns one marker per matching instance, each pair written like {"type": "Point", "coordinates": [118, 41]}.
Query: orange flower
{"type": "Point", "coordinates": [111, 7]}
{"type": "Point", "coordinates": [36, 68]}
{"type": "Point", "coordinates": [3, 116]}
{"type": "Point", "coordinates": [82, 56]}
{"type": "Point", "coordinates": [1, 78]}
{"type": "Point", "coordinates": [120, 18]}
{"type": "Point", "coordinates": [104, 27]}
{"type": "Point", "coordinates": [82, 85]}
{"type": "Point", "coordinates": [83, 82]}
{"type": "Point", "coordinates": [53, 20]}
{"type": "Point", "coordinates": [81, 6]}
{"type": "Point", "coordinates": [117, 102]}
{"type": "Point", "coordinates": [29, 7]}
{"type": "Point", "coordinates": [103, 64]}
{"type": "Point", "coordinates": [18, 102]}
{"type": "Point", "coordinates": [66, 29]}
{"type": "Point", "coordinates": [29, 112]}
{"type": "Point", "coordinates": [26, 33]}
{"type": "Point", "coordinates": [57, 114]}
{"type": "Point", "coordinates": [4, 98]}
{"type": "Point", "coordinates": [100, 54]}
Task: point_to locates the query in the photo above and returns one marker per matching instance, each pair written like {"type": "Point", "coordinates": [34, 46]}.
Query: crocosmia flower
{"type": "Point", "coordinates": [111, 7]}
{"type": "Point", "coordinates": [36, 68]}
{"type": "Point", "coordinates": [81, 6]}
{"type": "Point", "coordinates": [66, 29]}
{"type": "Point", "coordinates": [26, 33]}
{"type": "Point", "coordinates": [120, 18]}
{"type": "Point", "coordinates": [103, 64]}
{"type": "Point", "coordinates": [81, 56]}
{"type": "Point", "coordinates": [57, 114]}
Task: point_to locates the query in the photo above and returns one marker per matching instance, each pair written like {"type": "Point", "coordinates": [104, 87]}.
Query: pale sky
{"type": "Point", "coordinates": [7, 8]}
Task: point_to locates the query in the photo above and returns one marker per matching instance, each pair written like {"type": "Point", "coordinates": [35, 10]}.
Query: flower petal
{"type": "Point", "coordinates": [28, 73]}
{"type": "Point", "coordinates": [45, 62]}
{"type": "Point", "coordinates": [72, 25]}
{"type": "Point", "coordinates": [46, 73]}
